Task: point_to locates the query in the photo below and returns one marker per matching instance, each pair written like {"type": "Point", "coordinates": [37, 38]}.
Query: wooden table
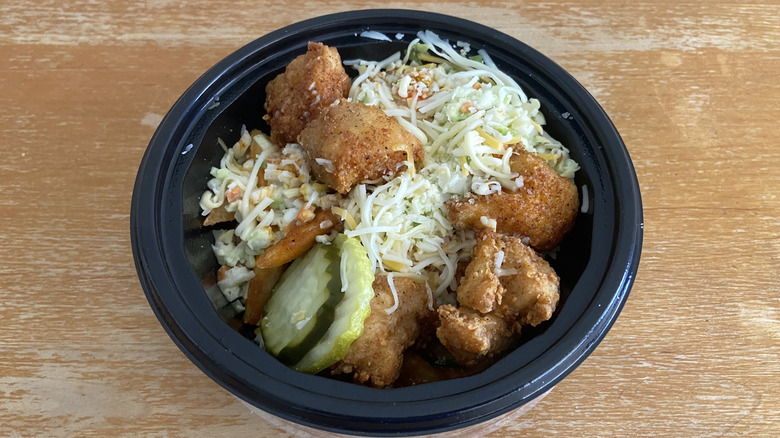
{"type": "Point", "coordinates": [693, 87]}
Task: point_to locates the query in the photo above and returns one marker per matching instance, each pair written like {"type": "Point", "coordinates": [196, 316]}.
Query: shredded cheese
{"type": "Point", "coordinates": [430, 295]}
{"type": "Point", "coordinates": [374, 35]}
{"type": "Point", "coordinates": [585, 199]}
{"type": "Point", "coordinates": [327, 164]}
{"type": "Point", "coordinates": [394, 307]}
{"type": "Point", "coordinates": [497, 262]}
{"type": "Point", "coordinates": [470, 118]}
{"type": "Point", "coordinates": [488, 222]}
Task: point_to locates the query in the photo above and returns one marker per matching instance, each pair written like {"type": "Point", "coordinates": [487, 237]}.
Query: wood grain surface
{"type": "Point", "coordinates": [692, 86]}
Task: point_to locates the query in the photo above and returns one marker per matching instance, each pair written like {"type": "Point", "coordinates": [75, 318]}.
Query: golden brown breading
{"type": "Point", "coordinates": [527, 292]}
{"type": "Point", "coordinates": [310, 83]}
{"type": "Point", "coordinates": [357, 143]}
{"type": "Point", "coordinates": [543, 209]}
{"type": "Point", "coordinates": [480, 288]}
{"type": "Point", "coordinates": [471, 336]}
{"type": "Point", "coordinates": [377, 355]}
{"type": "Point", "coordinates": [507, 285]}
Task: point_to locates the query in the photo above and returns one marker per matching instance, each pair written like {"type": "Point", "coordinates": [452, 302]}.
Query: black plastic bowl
{"type": "Point", "coordinates": [597, 263]}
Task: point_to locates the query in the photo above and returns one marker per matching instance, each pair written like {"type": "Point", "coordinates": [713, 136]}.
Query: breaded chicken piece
{"type": "Point", "coordinates": [310, 83]}
{"type": "Point", "coordinates": [507, 285]}
{"type": "Point", "coordinates": [352, 142]}
{"type": "Point", "coordinates": [523, 288]}
{"type": "Point", "coordinates": [471, 336]}
{"type": "Point", "coordinates": [543, 209]}
{"type": "Point", "coordinates": [377, 355]}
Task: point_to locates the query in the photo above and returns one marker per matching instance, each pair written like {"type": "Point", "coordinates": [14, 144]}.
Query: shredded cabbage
{"type": "Point", "coordinates": [263, 211]}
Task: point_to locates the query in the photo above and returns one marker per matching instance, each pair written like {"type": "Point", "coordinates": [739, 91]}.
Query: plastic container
{"type": "Point", "coordinates": [597, 262]}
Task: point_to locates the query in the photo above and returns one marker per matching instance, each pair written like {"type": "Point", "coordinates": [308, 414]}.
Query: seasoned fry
{"type": "Point", "coordinates": [260, 287]}
{"type": "Point", "coordinates": [299, 240]}
{"type": "Point", "coordinates": [219, 215]}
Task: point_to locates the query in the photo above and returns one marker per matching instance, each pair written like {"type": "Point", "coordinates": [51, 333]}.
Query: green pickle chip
{"type": "Point", "coordinates": [309, 322]}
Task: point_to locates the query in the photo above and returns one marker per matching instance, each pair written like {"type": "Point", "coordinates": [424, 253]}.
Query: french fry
{"type": "Point", "coordinates": [299, 240]}
{"type": "Point", "coordinates": [219, 215]}
{"type": "Point", "coordinates": [260, 287]}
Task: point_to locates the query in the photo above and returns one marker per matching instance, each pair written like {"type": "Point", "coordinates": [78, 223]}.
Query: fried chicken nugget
{"type": "Point", "coordinates": [543, 209]}
{"type": "Point", "coordinates": [471, 336]}
{"type": "Point", "coordinates": [352, 142]}
{"type": "Point", "coordinates": [310, 83]}
{"type": "Point", "coordinates": [527, 289]}
{"type": "Point", "coordinates": [377, 355]}
{"type": "Point", "coordinates": [507, 285]}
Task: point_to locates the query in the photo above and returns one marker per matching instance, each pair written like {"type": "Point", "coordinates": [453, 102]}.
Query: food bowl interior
{"type": "Point", "coordinates": [246, 112]}
{"type": "Point", "coordinates": [596, 261]}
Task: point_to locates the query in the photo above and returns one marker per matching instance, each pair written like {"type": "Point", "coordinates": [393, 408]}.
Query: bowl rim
{"type": "Point", "coordinates": [404, 410]}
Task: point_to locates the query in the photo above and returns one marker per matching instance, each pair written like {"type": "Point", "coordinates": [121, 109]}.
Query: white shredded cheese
{"type": "Point", "coordinates": [430, 295]}
{"type": "Point", "coordinates": [470, 118]}
{"type": "Point", "coordinates": [327, 164]}
{"type": "Point", "coordinates": [403, 86]}
{"type": "Point", "coordinates": [488, 222]}
{"type": "Point", "coordinates": [243, 228]}
{"type": "Point", "coordinates": [497, 262]}
{"type": "Point", "coordinates": [394, 307]}
{"type": "Point", "coordinates": [374, 35]}
{"type": "Point", "coordinates": [585, 199]}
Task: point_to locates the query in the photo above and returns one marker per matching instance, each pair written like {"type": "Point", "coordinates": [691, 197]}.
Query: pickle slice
{"type": "Point", "coordinates": [351, 311]}
{"type": "Point", "coordinates": [290, 314]}
{"type": "Point", "coordinates": [319, 305]}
